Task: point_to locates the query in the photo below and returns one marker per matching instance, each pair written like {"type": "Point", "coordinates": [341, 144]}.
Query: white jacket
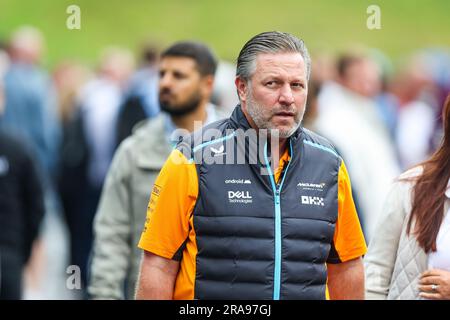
{"type": "Point", "coordinates": [394, 261]}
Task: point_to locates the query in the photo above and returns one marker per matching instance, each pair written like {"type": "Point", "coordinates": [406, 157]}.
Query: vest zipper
{"type": "Point", "coordinates": [276, 188]}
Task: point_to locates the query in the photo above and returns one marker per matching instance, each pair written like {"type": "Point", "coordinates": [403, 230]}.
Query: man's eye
{"type": "Point", "coordinates": [179, 75]}
{"type": "Point", "coordinates": [297, 85]}
{"type": "Point", "coordinates": [271, 83]}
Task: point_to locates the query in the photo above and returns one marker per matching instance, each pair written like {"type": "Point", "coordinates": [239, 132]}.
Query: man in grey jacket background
{"type": "Point", "coordinates": [185, 86]}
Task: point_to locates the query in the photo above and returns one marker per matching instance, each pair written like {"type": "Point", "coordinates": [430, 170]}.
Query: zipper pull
{"type": "Point", "coordinates": [277, 197]}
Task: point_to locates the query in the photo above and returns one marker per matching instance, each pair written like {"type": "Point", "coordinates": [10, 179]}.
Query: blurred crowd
{"type": "Point", "coordinates": [65, 124]}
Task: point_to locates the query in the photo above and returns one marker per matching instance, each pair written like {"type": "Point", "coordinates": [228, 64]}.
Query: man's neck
{"type": "Point", "coordinates": [187, 121]}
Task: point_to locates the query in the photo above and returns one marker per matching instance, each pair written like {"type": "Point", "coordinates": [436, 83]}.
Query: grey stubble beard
{"type": "Point", "coordinates": [256, 112]}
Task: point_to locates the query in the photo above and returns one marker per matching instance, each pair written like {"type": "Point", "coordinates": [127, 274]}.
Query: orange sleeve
{"type": "Point", "coordinates": [172, 201]}
{"type": "Point", "coordinates": [348, 241]}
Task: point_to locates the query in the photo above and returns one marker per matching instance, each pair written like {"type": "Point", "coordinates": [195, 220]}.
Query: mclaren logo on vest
{"type": "Point", "coordinates": [239, 197]}
{"type": "Point", "coordinates": [317, 201]}
{"type": "Point", "coordinates": [311, 186]}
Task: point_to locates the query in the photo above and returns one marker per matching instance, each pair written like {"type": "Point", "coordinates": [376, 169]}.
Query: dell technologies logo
{"type": "Point", "coordinates": [239, 197]}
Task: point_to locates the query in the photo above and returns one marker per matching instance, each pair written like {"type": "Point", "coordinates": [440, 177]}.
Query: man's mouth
{"type": "Point", "coordinates": [165, 95]}
{"type": "Point", "coordinates": [285, 114]}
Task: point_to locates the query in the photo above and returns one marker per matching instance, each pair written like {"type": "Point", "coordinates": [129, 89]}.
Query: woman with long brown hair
{"type": "Point", "coordinates": [409, 254]}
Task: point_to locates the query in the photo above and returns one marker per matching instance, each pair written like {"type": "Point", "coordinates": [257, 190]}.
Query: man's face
{"type": "Point", "coordinates": [275, 96]}
{"type": "Point", "coordinates": [180, 85]}
{"type": "Point", "coordinates": [363, 77]}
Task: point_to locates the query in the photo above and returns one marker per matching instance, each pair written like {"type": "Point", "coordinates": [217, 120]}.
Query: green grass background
{"type": "Point", "coordinates": [331, 25]}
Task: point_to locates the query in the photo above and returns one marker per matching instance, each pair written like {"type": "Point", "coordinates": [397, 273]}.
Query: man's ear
{"type": "Point", "coordinates": [208, 85]}
{"type": "Point", "coordinates": [242, 88]}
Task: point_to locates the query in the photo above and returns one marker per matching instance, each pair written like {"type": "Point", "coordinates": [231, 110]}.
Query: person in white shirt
{"type": "Point", "coordinates": [349, 117]}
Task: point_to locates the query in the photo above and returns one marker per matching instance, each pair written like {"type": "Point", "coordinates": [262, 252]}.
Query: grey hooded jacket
{"type": "Point", "coordinates": [122, 209]}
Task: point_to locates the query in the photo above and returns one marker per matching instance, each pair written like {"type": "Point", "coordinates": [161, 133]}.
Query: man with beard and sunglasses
{"type": "Point", "coordinates": [185, 85]}
{"type": "Point", "coordinates": [281, 225]}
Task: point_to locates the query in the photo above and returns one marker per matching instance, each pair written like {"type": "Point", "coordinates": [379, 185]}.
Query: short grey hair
{"type": "Point", "coordinates": [269, 42]}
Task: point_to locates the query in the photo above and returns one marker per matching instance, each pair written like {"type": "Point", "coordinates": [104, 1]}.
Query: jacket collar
{"type": "Point", "coordinates": [238, 119]}
{"type": "Point", "coordinates": [154, 141]}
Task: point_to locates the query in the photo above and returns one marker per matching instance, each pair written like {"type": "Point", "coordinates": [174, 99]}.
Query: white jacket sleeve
{"type": "Point", "coordinates": [382, 252]}
{"type": "Point", "coordinates": [112, 231]}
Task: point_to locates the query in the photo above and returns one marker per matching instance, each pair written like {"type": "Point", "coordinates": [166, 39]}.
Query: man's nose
{"type": "Point", "coordinates": [286, 97]}
{"type": "Point", "coordinates": [165, 81]}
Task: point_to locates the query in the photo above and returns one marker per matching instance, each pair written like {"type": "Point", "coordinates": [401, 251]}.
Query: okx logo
{"type": "Point", "coordinates": [239, 197]}
{"type": "Point", "coordinates": [316, 201]}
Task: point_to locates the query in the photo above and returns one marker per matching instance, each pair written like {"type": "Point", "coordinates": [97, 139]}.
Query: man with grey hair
{"type": "Point", "coordinates": [284, 227]}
